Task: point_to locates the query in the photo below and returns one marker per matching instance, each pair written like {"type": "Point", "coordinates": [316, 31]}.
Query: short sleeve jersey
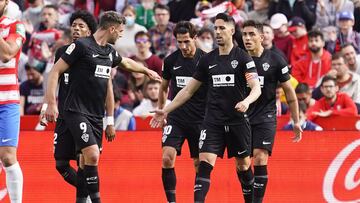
{"type": "Point", "coordinates": [90, 67]}
{"type": "Point", "coordinates": [272, 69]}
{"type": "Point", "coordinates": [179, 70]}
{"type": "Point", "coordinates": [225, 76]}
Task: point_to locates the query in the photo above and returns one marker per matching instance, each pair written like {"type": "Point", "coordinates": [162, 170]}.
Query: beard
{"type": "Point", "coordinates": [315, 49]}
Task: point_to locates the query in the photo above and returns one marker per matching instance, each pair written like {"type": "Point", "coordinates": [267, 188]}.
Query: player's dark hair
{"type": "Point", "coordinates": [316, 33]}
{"type": "Point", "coordinates": [110, 18]}
{"type": "Point", "coordinates": [337, 56]}
{"type": "Point", "coordinates": [87, 17]}
{"type": "Point", "coordinates": [252, 23]}
{"type": "Point", "coordinates": [161, 7]}
{"type": "Point", "coordinates": [141, 33]}
{"type": "Point", "coordinates": [302, 88]}
{"type": "Point", "coordinates": [226, 18]}
{"type": "Point", "coordinates": [184, 27]}
{"type": "Point", "coordinates": [327, 78]}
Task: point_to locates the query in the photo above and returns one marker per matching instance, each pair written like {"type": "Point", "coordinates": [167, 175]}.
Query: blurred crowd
{"type": "Point", "coordinates": [320, 39]}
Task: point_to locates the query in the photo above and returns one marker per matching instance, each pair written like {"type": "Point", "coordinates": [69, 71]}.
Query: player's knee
{"type": "Point", "coordinates": [243, 164]}
{"type": "Point", "coordinates": [168, 161]}
{"type": "Point", "coordinates": [260, 157]}
{"type": "Point", "coordinates": [8, 159]}
{"type": "Point", "coordinates": [91, 158]}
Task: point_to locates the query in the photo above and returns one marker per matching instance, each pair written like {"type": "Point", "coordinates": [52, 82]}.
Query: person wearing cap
{"type": "Point", "coordinates": [300, 43]}
{"type": "Point", "coordinates": [31, 90]}
{"type": "Point", "coordinates": [326, 11]}
{"type": "Point", "coordinates": [346, 33]}
{"type": "Point", "coordinates": [283, 39]}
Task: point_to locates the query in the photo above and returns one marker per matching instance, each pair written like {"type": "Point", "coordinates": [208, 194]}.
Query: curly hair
{"type": "Point", "coordinates": [87, 17]}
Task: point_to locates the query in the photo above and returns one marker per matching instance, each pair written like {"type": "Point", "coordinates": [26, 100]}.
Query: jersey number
{"type": "Point", "coordinates": [55, 138]}
{"type": "Point", "coordinates": [167, 129]}
{"type": "Point", "coordinates": [83, 127]}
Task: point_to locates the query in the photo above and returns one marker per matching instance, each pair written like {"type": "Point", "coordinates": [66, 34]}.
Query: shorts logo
{"type": "Point", "coordinates": [284, 70]}
{"type": "Point", "coordinates": [85, 137]}
{"type": "Point", "coordinates": [234, 63]}
{"type": "Point", "coordinates": [265, 66]}
{"type": "Point", "coordinates": [266, 143]}
{"type": "Point", "coordinates": [163, 139]}
{"type": "Point", "coordinates": [70, 49]}
{"type": "Point", "coordinates": [202, 138]}
{"type": "Point", "coordinates": [66, 78]}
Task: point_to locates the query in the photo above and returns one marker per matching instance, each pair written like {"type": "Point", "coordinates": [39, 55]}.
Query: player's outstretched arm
{"type": "Point", "coordinates": [294, 109]}
{"type": "Point", "coordinates": [184, 95]}
{"type": "Point", "coordinates": [110, 106]}
{"type": "Point", "coordinates": [255, 92]}
{"type": "Point", "coordinates": [163, 93]}
{"type": "Point", "coordinates": [59, 68]}
{"type": "Point", "coordinates": [132, 66]}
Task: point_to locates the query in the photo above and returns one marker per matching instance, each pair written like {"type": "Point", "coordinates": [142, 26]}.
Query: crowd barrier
{"type": "Point", "coordinates": [334, 123]}
{"type": "Point", "coordinates": [324, 167]}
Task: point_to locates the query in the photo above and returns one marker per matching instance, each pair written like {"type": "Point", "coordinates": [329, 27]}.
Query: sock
{"type": "Point", "coordinates": [81, 188]}
{"type": "Point", "coordinates": [202, 183]}
{"type": "Point", "coordinates": [14, 182]}
{"type": "Point", "coordinates": [169, 183]}
{"type": "Point", "coordinates": [92, 182]}
{"type": "Point", "coordinates": [261, 179]}
{"type": "Point", "coordinates": [246, 179]}
{"type": "Point", "coordinates": [66, 171]}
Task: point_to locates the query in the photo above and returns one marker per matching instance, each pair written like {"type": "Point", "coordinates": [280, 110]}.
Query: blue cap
{"type": "Point", "coordinates": [346, 15]}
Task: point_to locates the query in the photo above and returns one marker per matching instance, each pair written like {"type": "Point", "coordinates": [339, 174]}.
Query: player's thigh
{"type": "Point", "coordinates": [212, 139]}
{"type": "Point", "coordinates": [238, 140]}
{"type": "Point", "coordinates": [173, 136]}
{"type": "Point", "coordinates": [192, 135]}
{"type": "Point", "coordinates": [9, 125]}
{"type": "Point", "coordinates": [64, 145]}
{"type": "Point", "coordinates": [263, 136]}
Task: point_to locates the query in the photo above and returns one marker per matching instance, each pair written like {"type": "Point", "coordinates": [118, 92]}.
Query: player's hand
{"type": "Point", "coordinates": [42, 118]}
{"type": "Point", "coordinates": [51, 112]}
{"type": "Point", "coordinates": [297, 132]}
{"type": "Point", "coordinates": [110, 133]}
{"type": "Point", "coordinates": [242, 106]}
{"type": "Point", "coordinates": [153, 75]}
{"type": "Point", "coordinates": [159, 118]}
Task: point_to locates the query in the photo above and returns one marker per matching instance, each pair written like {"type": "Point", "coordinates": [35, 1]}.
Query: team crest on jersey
{"type": "Point", "coordinates": [70, 49]}
{"type": "Point", "coordinates": [85, 137]}
{"type": "Point", "coordinates": [266, 66]}
{"type": "Point", "coordinates": [234, 63]}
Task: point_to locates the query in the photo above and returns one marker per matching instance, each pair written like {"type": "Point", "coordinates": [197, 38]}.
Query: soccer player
{"type": "Point", "coordinates": [184, 123]}
{"type": "Point", "coordinates": [11, 41]}
{"type": "Point", "coordinates": [272, 69]}
{"type": "Point", "coordinates": [89, 61]}
{"type": "Point", "coordinates": [226, 71]}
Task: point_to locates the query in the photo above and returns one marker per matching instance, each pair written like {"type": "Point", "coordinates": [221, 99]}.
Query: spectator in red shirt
{"type": "Point", "coordinates": [316, 63]}
{"type": "Point", "coordinates": [300, 43]}
{"type": "Point", "coordinates": [333, 103]}
{"type": "Point", "coordinates": [283, 39]}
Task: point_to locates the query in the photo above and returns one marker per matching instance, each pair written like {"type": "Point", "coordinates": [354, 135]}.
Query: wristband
{"type": "Point", "coordinates": [110, 120]}
{"type": "Point", "coordinates": [44, 107]}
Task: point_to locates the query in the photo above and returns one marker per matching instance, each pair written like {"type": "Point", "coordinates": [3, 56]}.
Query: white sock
{"type": "Point", "coordinates": [14, 182]}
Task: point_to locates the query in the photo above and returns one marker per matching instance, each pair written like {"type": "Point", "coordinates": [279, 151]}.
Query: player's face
{"type": "Point", "coordinates": [329, 89]}
{"type": "Point", "coordinates": [79, 29]}
{"type": "Point", "coordinates": [223, 32]}
{"type": "Point", "coordinates": [116, 31]}
{"type": "Point", "coordinates": [186, 44]}
{"type": "Point", "coordinates": [340, 67]}
{"type": "Point", "coordinates": [252, 38]}
{"type": "Point", "coordinates": [349, 54]}
{"type": "Point", "coordinates": [3, 5]}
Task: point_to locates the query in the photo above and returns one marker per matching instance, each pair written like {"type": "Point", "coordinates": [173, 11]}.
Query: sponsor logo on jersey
{"type": "Point", "coordinates": [102, 71]}
{"type": "Point", "coordinates": [266, 66]}
{"type": "Point", "coordinates": [234, 63]}
{"type": "Point", "coordinates": [182, 81]}
{"type": "Point", "coordinates": [224, 80]}
{"type": "Point", "coordinates": [250, 64]}
{"type": "Point", "coordinates": [70, 49]}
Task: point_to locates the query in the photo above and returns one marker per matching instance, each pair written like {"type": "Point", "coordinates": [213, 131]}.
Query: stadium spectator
{"type": "Point", "coordinates": [303, 94]}
{"type": "Point", "coordinates": [126, 44]}
{"type": "Point", "coordinates": [32, 16]}
{"type": "Point", "coordinates": [181, 10]}
{"type": "Point", "coordinates": [268, 42]}
{"type": "Point", "coordinates": [316, 63]}
{"type": "Point", "coordinates": [200, 21]}
{"type": "Point", "coordinates": [304, 122]}
{"type": "Point", "coordinates": [351, 58]}
{"type": "Point", "coordinates": [281, 107]}
{"type": "Point", "coordinates": [144, 54]}
{"type": "Point", "coordinates": [145, 13]}
{"type": "Point", "coordinates": [333, 103]}
{"type": "Point", "coordinates": [205, 39]}
{"type": "Point", "coordinates": [123, 119]}
{"type": "Point", "coordinates": [300, 42]}
{"type": "Point", "coordinates": [283, 39]}
{"type": "Point", "coordinates": [326, 11]}
{"type": "Point", "coordinates": [162, 40]}
{"type": "Point", "coordinates": [260, 12]}
{"type": "Point", "coordinates": [32, 90]}
{"type": "Point", "coordinates": [346, 33]}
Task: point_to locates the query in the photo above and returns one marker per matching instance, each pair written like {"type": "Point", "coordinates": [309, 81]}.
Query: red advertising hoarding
{"type": "Point", "coordinates": [324, 167]}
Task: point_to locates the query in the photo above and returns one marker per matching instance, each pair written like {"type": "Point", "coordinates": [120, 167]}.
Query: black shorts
{"type": "Point", "coordinates": [85, 130]}
{"type": "Point", "coordinates": [64, 145]}
{"type": "Point", "coordinates": [236, 138]}
{"type": "Point", "coordinates": [263, 136]}
{"type": "Point", "coordinates": [175, 133]}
